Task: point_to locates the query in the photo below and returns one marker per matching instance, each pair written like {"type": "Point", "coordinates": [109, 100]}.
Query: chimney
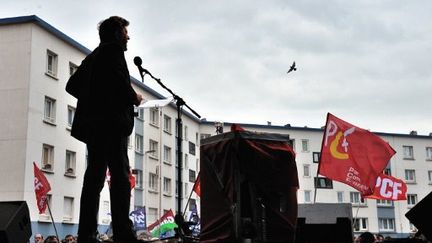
{"type": "Point", "coordinates": [268, 123]}
{"type": "Point", "coordinates": [413, 132]}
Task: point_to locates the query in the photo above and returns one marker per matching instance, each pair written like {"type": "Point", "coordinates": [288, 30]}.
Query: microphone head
{"type": "Point", "coordinates": [137, 61]}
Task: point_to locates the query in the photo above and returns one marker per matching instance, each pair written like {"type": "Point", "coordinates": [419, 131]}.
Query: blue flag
{"type": "Point", "coordinates": [139, 219]}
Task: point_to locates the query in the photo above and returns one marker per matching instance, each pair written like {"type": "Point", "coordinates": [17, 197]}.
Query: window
{"type": "Point", "coordinates": [167, 154]}
{"type": "Point", "coordinates": [384, 203]}
{"type": "Point", "coordinates": [153, 214]}
{"type": "Point", "coordinates": [306, 170]}
{"type": "Point", "coordinates": [139, 178]}
{"type": "Point", "coordinates": [70, 163]}
{"type": "Point", "coordinates": [387, 171]}
{"type": "Point", "coordinates": [167, 186]}
{"type": "Point", "coordinates": [167, 124]}
{"type": "Point", "coordinates": [410, 176]}
{"type": "Point", "coordinates": [305, 145]}
{"type": "Point", "coordinates": [140, 113]}
{"type": "Point", "coordinates": [316, 157]}
{"type": "Point", "coordinates": [430, 176]}
{"type": "Point", "coordinates": [49, 110]}
{"type": "Point", "coordinates": [153, 181]}
{"type": "Point", "coordinates": [411, 199]}
{"type": "Point", "coordinates": [361, 224]}
{"type": "Point", "coordinates": [340, 197]}
{"type": "Point", "coordinates": [408, 152]}
{"type": "Point", "coordinates": [68, 209]}
{"type": "Point", "coordinates": [153, 146]}
{"type": "Point", "coordinates": [186, 161]}
{"type": "Point", "coordinates": [192, 205]}
{"type": "Point", "coordinates": [355, 198]}
{"type": "Point", "coordinates": [428, 153]}
{"type": "Point", "coordinates": [322, 182]}
{"type": "Point", "coordinates": [71, 115]}
{"type": "Point", "coordinates": [196, 138]}
{"type": "Point", "coordinates": [191, 148]}
{"type": "Point", "coordinates": [185, 137]}
{"type": "Point", "coordinates": [47, 157]}
{"type": "Point", "coordinates": [192, 176]}
{"type": "Point", "coordinates": [307, 196]}
{"type": "Point", "coordinates": [386, 224]}
{"type": "Point", "coordinates": [138, 143]}
{"type": "Point", "coordinates": [72, 68]}
{"type": "Point", "coordinates": [52, 60]}
{"type": "Point", "coordinates": [186, 190]}
{"type": "Point", "coordinates": [154, 116]}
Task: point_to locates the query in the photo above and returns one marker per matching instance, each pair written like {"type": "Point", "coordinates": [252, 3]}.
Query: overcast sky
{"type": "Point", "coordinates": [367, 62]}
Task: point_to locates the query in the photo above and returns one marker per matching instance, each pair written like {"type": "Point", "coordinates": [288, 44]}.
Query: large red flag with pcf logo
{"type": "Point", "coordinates": [42, 187]}
{"type": "Point", "coordinates": [353, 155]}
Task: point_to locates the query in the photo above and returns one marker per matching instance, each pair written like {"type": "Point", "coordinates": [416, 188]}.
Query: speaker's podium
{"type": "Point", "coordinates": [15, 226]}
{"type": "Point", "coordinates": [324, 222]}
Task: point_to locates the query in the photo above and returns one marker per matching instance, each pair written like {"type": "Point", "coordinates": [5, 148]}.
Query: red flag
{"type": "Point", "coordinates": [197, 186]}
{"type": "Point", "coordinates": [353, 155]}
{"type": "Point", "coordinates": [389, 188]}
{"type": "Point", "coordinates": [42, 187]}
{"type": "Point", "coordinates": [132, 179]}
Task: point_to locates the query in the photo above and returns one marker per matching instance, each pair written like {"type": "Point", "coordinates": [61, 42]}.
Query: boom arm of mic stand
{"type": "Point", "coordinates": [176, 97]}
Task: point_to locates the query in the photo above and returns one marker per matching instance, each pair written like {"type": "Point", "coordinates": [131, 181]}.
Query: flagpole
{"type": "Point", "coordinates": [315, 184]}
{"type": "Point", "coordinates": [187, 203]}
{"type": "Point", "coordinates": [355, 217]}
{"type": "Point", "coordinates": [52, 220]}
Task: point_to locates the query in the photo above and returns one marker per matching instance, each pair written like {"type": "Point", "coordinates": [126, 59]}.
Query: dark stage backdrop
{"type": "Point", "coordinates": [248, 188]}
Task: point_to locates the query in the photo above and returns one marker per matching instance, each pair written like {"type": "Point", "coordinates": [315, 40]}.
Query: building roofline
{"type": "Point", "coordinates": [309, 129]}
{"type": "Point", "coordinates": [40, 22]}
{"type": "Point", "coordinates": [51, 29]}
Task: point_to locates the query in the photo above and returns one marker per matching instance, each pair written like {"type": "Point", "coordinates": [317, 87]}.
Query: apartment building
{"type": "Point", "coordinates": [36, 116]}
{"type": "Point", "coordinates": [411, 163]}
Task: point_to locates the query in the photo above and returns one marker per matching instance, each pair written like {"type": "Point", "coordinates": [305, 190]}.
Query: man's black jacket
{"type": "Point", "coordinates": [104, 92]}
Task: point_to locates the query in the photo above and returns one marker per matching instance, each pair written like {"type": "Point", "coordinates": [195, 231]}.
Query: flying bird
{"type": "Point", "coordinates": [292, 68]}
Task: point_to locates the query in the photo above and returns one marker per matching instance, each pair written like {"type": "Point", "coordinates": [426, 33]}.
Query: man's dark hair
{"type": "Point", "coordinates": [110, 29]}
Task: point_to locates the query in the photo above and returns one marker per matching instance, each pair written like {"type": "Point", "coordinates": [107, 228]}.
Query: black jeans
{"type": "Point", "coordinates": [106, 150]}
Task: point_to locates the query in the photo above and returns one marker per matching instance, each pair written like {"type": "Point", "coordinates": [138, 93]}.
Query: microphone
{"type": "Point", "coordinates": [137, 60]}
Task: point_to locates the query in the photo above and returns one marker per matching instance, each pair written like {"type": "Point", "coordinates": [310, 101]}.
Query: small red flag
{"type": "Point", "coordinates": [197, 186]}
{"type": "Point", "coordinates": [353, 155]}
{"type": "Point", "coordinates": [132, 179]}
{"type": "Point", "coordinates": [389, 188]}
{"type": "Point", "coordinates": [42, 187]}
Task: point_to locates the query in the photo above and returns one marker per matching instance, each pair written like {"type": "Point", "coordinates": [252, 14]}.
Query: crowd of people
{"type": "Point", "coordinates": [39, 238]}
{"type": "Point", "coordinates": [368, 237]}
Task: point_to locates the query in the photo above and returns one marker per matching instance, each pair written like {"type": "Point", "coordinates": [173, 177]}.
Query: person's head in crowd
{"type": "Point", "coordinates": [52, 239]}
{"type": "Point", "coordinates": [366, 237]}
{"type": "Point", "coordinates": [69, 239]}
{"type": "Point", "coordinates": [38, 238]}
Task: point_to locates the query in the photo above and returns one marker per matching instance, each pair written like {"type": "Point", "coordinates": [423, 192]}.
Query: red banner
{"type": "Point", "coordinates": [389, 188]}
{"type": "Point", "coordinates": [353, 155]}
{"type": "Point", "coordinates": [42, 187]}
{"type": "Point", "coordinates": [197, 186]}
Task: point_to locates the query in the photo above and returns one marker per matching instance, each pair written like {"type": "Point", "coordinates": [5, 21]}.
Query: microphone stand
{"type": "Point", "coordinates": [179, 103]}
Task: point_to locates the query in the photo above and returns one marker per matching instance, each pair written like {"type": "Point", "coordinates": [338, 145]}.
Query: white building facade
{"type": "Point", "coordinates": [412, 163]}
{"type": "Point", "coordinates": [36, 116]}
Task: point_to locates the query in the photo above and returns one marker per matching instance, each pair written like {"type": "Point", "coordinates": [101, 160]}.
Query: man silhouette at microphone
{"type": "Point", "coordinates": [104, 119]}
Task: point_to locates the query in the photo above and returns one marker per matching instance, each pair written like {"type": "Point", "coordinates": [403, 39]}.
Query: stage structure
{"type": "Point", "coordinates": [248, 188]}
